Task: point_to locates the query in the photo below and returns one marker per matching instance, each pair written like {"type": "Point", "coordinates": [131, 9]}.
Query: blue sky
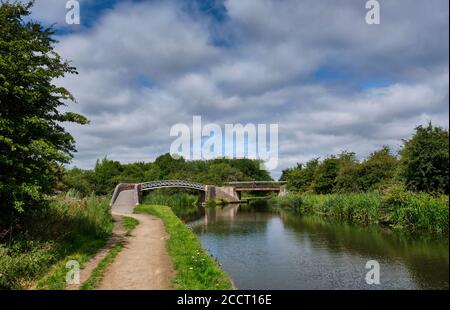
{"type": "Point", "coordinates": [329, 80]}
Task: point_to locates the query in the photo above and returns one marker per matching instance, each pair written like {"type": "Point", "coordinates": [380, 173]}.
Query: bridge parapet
{"type": "Point", "coordinates": [172, 183]}
{"type": "Point", "coordinates": [119, 188]}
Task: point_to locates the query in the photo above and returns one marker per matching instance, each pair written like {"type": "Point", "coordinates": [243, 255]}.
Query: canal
{"type": "Point", "coordinates": [261, 249]}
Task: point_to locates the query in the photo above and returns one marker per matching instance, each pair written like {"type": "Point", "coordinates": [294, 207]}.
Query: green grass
{"type": "Point", "coordinates": [395, 207]}
{"type": "Point", "coordinates": [99, 271]}
{"type": "Point", "coordinates": [195, 269]}
{"type": "Point", "coordinates": [55, 279]}
{"type": "Point", "coordinates": [69, 228]}
{"type": "Point", "coordinates": [129, 223]}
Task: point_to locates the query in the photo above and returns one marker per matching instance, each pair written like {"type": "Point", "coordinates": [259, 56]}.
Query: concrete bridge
{"type": "Point", "coordinates": [126, 196]}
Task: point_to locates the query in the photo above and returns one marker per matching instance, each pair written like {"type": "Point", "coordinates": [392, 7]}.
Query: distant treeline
{"type": "Point", "coordinates": [108, 173]}
{"type": "Point", "coordinates": [420, 166]}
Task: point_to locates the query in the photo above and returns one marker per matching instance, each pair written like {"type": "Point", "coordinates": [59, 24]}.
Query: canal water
{"type": "Point", "coordinates": [260, 249]}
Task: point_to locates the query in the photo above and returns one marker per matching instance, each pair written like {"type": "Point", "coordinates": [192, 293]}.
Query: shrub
{"type": "Point", "coordinates": [66, 226]}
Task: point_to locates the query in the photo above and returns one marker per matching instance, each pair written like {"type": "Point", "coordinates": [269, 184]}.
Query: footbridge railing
{"type": "Point", "coordinates": [172, 183]}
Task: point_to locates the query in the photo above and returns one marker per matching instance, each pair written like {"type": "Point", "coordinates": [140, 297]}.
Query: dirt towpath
{"type": "Point", "coordinates": [143, 263]}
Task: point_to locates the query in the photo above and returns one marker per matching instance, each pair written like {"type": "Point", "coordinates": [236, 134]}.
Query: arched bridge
{"type": "Point", "coordinates": [172, 184]}
{"type": "Point", "coordinates": [126, 196]}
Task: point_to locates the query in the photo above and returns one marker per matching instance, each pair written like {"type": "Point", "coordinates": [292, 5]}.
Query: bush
{"type": "Point", "coordinates": [68, 225]}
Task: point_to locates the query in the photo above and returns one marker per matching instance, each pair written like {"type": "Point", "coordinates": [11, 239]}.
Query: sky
{"type": "Point", "coordinates": [329, 80]}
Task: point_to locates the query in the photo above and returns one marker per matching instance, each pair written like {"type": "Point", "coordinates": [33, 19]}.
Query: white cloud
{"type": "Point", "coordinates": [146, 66]}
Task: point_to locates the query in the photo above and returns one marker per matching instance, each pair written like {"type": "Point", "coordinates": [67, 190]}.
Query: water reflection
{"type": "Point", "coordinates": [229, 214]}
{"type": "Point", "coordinates": [267, 250]}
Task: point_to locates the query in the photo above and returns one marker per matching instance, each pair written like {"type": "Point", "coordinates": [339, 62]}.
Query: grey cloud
{"type": "Point", "coordinates": [264, 76]}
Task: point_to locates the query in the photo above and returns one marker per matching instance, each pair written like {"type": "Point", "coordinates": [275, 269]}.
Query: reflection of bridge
{"type": "Point", "coordinates": [126, 196]}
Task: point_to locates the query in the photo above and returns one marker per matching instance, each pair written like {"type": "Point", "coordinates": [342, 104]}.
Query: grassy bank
{"type": "Point", "coordinates": [69, 228]}
{"type": "Point", "coordinates": [194, 268]}
{"type": "Point", "coordinates": [396, 208]}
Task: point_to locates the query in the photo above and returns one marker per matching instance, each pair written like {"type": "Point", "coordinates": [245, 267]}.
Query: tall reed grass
{"type": "Point", "coordinates": [394, 207]}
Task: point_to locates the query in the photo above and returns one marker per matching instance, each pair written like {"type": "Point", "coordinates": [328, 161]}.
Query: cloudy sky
{"type": "Point", "coordinates": [315, 67]}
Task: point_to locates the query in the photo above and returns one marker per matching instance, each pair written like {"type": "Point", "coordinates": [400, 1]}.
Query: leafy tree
{"type": "Point", "coordinates": [152, 173]}
{"type": "Point", "coordinates": [378, 169]}
{"type": "Point", "coordinates": [222, 172]}
{"type": "Point", "coordinates": [79, 180]}
{"type": "Point", "coordinates": [168, 165]}
{"type": "Point", "coordinates": [325, 175]}
{"type": "Point", "coordinates": [285, 174]}
{"type": "Point", "coordinates": [33, 144]}
{"type": "Point", "coordinates": [106, 175]}
{"type": "Point", "coordinates": [134, 172]}
{"type": "Point", "coordinates": [424, 160]}
{"type": "Point", "coordinates": [348, 176]}
{"type": "Point", "coordinates": [250, 168]}
{"type": "Point", "coordinates": [301, 177]}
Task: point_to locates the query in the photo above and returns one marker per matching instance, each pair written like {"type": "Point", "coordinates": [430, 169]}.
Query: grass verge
{"type": "Point", "coordinates": [129, 223]}
{"type": "Point", "coordinates": [195, 269]}
{"type": "Point", "coordinates": [55, 279]}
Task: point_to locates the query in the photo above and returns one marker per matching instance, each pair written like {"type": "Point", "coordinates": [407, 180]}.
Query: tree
{"type": "Point", "coordinates": [285, 174]}
{"type": "Point", "coordinates": [378, 169]}
{"type": "Point", "coordinates": [250, 168]}
{"type": "Point", "coordinates": [300, 178]}
{"type": "Point", "coordinates": [168, 165]}
{"type": "Point", "coordinates": [33, 144]}
{"type": "Point", "coordinates": [325, 175]}
{"type": "Point", "coordinates": [220, 172]}
{"type": "Point", "coordinates": [79, 180]}
{"type": "Point", "coordinates": [106, 175]}
{"type": "Point", "coordinates": [348, 176]}
{"type": "Point", "coordinates": [424, 160]}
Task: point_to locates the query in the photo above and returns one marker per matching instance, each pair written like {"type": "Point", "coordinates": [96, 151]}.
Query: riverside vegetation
{"type": "Point", "coordinates": [408, 192]}
{"type": "Point", "coordinates": [70, 227]}
{"type": "Point", "coordinates": [396, 208]}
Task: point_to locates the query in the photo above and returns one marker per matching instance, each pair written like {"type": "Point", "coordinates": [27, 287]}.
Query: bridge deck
{"type": "Point", "coordinates": [124, 202]}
